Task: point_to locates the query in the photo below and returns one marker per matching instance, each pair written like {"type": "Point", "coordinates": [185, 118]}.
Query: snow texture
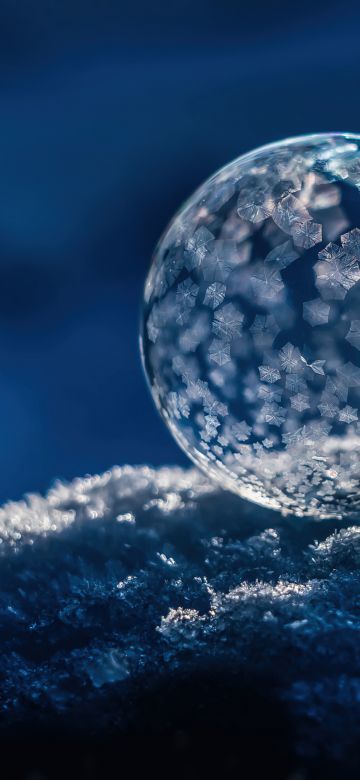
{"type": "Point", "coordinates": [113, 584]}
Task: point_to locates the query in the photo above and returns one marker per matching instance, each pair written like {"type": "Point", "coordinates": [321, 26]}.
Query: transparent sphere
{"type": "Point", "coordinates": [251, 326]}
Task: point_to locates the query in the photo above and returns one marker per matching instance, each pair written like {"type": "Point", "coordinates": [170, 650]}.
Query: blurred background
{"type": "Point", "coordinates": [111, 114]}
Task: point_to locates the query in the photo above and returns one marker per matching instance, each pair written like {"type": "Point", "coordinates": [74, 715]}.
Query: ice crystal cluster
{"type": "Point", "coordinates": [251, 327]}
{"type": "Point", "coordinates": [118, 586]}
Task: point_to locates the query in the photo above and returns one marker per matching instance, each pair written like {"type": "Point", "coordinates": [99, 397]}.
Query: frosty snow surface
{"type": "Point", "coordinates": [112, 584]}
{"type": "Point", "coordinates": [251, 327]}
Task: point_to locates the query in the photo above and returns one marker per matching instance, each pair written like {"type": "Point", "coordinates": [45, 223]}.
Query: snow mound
{"type": "Point", "coordinates": [114, 584]}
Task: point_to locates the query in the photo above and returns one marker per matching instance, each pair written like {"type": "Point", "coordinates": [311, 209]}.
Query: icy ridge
{"type": "Point", "coordinates": [129, 576]}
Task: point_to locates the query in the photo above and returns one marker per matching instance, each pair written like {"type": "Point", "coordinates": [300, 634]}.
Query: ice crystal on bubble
{"type": "Point", "coordinates": [272, 414]}
{"type": "Point", "coordinates": [351, 243]}
{"type": "Point", "coordinates": [295, 383]}
{"type": "Point", "coordinates": [254, 202]}
{"type": "Point", "coordinates": [196, 247]}
{"type": "Point", "coordinates": [269, 374]}
{"type": "Point", "coordinates": [316, 312]}
{"type": "Point", "coordinates": [282, 256]}
{"type": "Point", "coordinates": [227, 322]}
{"type": "Point", "coordinates": [252, 325]}
{"type": "Point", "coordinates": [215, 267]}
{"type": "Point", "coordinates": [329, 406]}
{"type": "Point", "coordinates": [353, 336]}
{"type": "Point", "coordinates": [307, 234]}
{"type": "Point", "coordinates": [290, 359]}
{"type": "Point", "coordinates": [219, 352]}
{"type": "Point", "coordinates": [264, 330]}
{"type": "Point", "coordinates": [267, 283]}
{"type": "Point", "coordinates": [317, 367]}
{"type": "Point", "coordinates": [336, 272]}
{"type": "Point", "coordinates": [215, 294]}
{"type": "Point", "coordinates": [289, 213]}
{"type": "Point", "coordinates": [300, 402]}
{"type": "Point", "coordinates": [186, 293]}
{"type": "Point", "coordinates": [348, 414]}
{"type": "Point", "coordinates": [350, 374]}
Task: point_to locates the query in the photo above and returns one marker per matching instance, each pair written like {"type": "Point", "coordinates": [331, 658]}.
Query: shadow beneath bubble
{"type": "Point", "coordinates": [207, 721]}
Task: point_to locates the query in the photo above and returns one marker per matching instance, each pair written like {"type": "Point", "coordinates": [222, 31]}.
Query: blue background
{"type": "Point", "coordinates": [110, 115]}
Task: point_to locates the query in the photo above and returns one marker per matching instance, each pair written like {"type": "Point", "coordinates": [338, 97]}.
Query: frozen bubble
{"type": "Point", "coordinates": [251, 325]}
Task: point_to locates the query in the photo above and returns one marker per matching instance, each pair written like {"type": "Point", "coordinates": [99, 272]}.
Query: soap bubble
{"type": "Point", "coordinates": [251, 326]}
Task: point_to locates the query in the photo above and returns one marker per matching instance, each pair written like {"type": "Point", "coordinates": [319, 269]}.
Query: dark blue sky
{"type": "Point", "coordinates": [110, 115]}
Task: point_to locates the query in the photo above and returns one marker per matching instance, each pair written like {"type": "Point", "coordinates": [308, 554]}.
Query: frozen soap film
{"type": "Point", "coordinates": [251, 326]}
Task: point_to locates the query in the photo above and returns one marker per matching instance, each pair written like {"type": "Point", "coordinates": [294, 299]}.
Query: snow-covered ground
{"type": "Point", "coordinates": [114, 585]}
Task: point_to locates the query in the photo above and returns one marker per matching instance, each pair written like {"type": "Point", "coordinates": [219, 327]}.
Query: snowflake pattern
{"type": "Point", "coordinates": [348, 414]}
{"type": "Point", "coordinates": [290, 359]}
{"type": "Point", "coordinates": [307, 234]}
{"type": "Point", "coordinates": [228, 322]}
{"type": "Point", "coordinates": [214, 295]}
{"type": "Point", "coordinates": [197, 247]}
{"type": "Point", "coordinates": [269, 374]}
{"type": "Point", "coordinates": [336, 272]}
{"type": "Point", "coordinates": [272, 414]}
{"type": "Point", "coordinates": [300, 402]}
{"type": "Point", "coordinates": [266, 282]}
{"type": "Point", "coordinates": [351, 243]}
{"type": "Point", "coordinates": [289, 212]}
{"type": "Point", "coordinates": [186, 294]}
{"type": "Point", "coordinates": [329, 405]}
{"type": "Point", "coordinates": [254, 203]}
{"type": "Point", "coordinates": [215, 268]}
{"type": "Point", "coordinates": [219, 352]}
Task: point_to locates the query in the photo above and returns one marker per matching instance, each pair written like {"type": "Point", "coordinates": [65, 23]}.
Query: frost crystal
{"type": "Point", "coordinates": [196, 247]}
{"type": "Point", "coordinates": [214, 295]}
{"type": "Point", "coordinates": [329, 406]}
{"type": "Point", "coordinates": [255, 202]}
{"type": "Point", "coordinates": [215, 268]}
{"type": "Point", "coordinates": [351, 243]}
{"type": "Point", "coordinates": [307, 234]}
{"type": "Point", "coordinates": [266, 283]}
{"type": "Point", "coordinates": [282, 256]}
{"type": "Point", "coordinates": [300, 402]}
{"type": "Point", "coordinates": [348, 414]}
{"type": "Point", "coordinates": [219, 352]}
{"type": "Point", "coordinates": [337, 274]}
{"type": "Point", "coordinates": [227, 322]}
{"type": "Point", "coordinates": [251, 335]}
{"type": "Point", "coordinates": [144, 582]}
{"type": "Point", "coordinates": [316, 312]}
{"type": "Point", "coordinates": [269, 374]}
{"type": "Point", "coordinates": [353, 336]}
{"type": "Point", "coordinates": [290, 359]}
{"type": "Point", "coordinates": [186, 293]}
